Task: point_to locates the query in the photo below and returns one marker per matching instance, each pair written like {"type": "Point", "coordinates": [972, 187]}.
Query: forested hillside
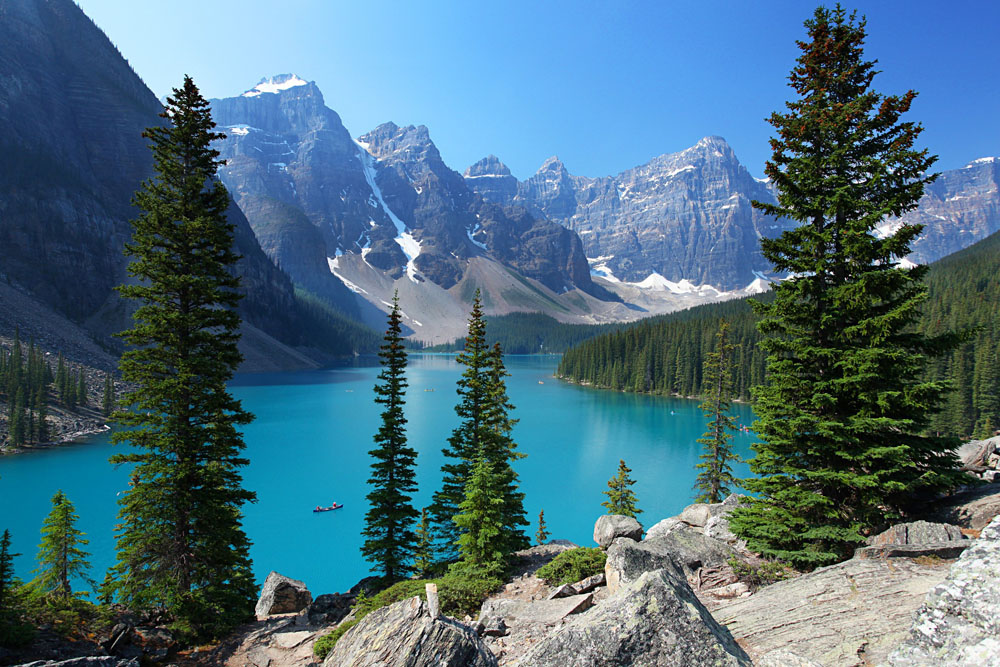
{"type": "Point", "coordinates": [533, 333]}
{"type": "Point", "coordinates": [664, 355]}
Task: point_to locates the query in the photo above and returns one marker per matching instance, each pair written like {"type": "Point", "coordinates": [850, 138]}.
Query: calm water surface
{"type": "Point", "coordinates": [309, 446]}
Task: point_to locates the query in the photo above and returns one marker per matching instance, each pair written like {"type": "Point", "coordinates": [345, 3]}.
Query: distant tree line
{"type": "Point", "coordinates": [665, 355]}
{"type": "Point", "coordinates": [29, 387]}
{"type": "Point", "coordinates": [533, 333]}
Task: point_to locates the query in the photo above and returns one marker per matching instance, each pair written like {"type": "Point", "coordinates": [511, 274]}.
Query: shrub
{"type": "Point", "coordinates": [573, 565]}
{"type": "Point", "coordinates": [461, 595]}
{"type": "Point", "coordinates": [326, 643]}
{"type": "Point", "coordinates": [760, 573]}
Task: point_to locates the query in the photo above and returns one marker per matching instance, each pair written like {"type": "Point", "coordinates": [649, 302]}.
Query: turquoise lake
{"type": "Point", "coordinates": [309, 446]}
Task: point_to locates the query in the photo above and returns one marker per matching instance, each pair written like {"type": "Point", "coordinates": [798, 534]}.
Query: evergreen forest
{"type": "Point", "coordinates": [665, 354]}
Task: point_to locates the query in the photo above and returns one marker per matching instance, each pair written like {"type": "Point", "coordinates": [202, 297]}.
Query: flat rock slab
{"type": "Point", "coordinates": [519, 612]}
{"type": "Point", "coordinates": [948, 550]}
{"type": "Point", "coordinates": [856, 611]}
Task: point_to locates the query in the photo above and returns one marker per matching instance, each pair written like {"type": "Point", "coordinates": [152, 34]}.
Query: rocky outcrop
{"type": "Point", "coordinates": [958, 625]}
{"type": "Point", "coordinates": [90, 661]}
{"type": "Point", "coordinates": [609, 527]}
{"type": "Point", "coordinates": [972, 509]}
{"type": "Point", "coordinates": [656, 620]}
{"type": "Point", "coordinates": [917, 532]}
{"type": "Point", "coordinates": [854, 612]}
{"type": "Point", "coordinates": [281, 595]}
{"type": "Point", "coordinates": [404, 634]}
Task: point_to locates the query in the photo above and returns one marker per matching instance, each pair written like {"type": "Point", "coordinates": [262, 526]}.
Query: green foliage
{"type": "Point", "coordinates": [481, 517]}
{"type": "Point", "coordinates": [180, 543]}
{"type": "Point", "coordinates": [72, 617]}
{"type": "Point", "coordinates": [325, 644]}
{"type": "Point", "coordinates": [533, 333]}
{"type": "Point", "coordinates": [108, 396]}
{"type": "Point", "coordinates": [423, 553]}
{"type": "Point", "coordinates": [621, 497]}
{"type": "Point", "coordinates": [462, 595]}
{"type": "Point", "coordinates": [666, 354]}
{"type": "Point", "coordinates": [14, 631]}
{"type": "Point", "coordinates": [840, 420]}
{"type": "Point", "coordinates": [716, 476]}
{"type": "Point", "coordinates": [60, 556]}
{"type": "Point", "coordinates": [484, 433]}
{"type": "Point", "coordinates": [760, 573]}
{"type": "Point", "coordinates": [25, 382]}
{"type": "Point", "coordinates": [542, 535]}
{"type": "Point", "coordinates": [321, 326]}
{"type": "Point", "coordinates": [573, 565]}
{"type": "Point", "coordinates": [389, 537]}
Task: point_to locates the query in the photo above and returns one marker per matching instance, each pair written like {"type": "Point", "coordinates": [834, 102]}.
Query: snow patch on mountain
{"type": "Point", "coordinates": [409, 245]}
{"type": "Point", "coordinates": [599, 268]}
{"type": "Point", "coordinates": [275, 85]}
{"type": "Point", "coordinates": [656, 282]}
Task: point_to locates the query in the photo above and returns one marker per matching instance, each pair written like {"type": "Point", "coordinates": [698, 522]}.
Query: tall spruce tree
{"type": "Point", "coordinates": [423, 552]}
{"type": "Point", "coordinates": [60, 554]}
{"type": "Point", "coordinates": [716, 477]}
{"type": "Point", "coordinates": [841, 451]}
{"type": "Point", "coordinates": [465, 443]}
{"type": "Point", "coordinates": [181, 544]}
{"type": "Point", "coordinates": [621, 498]}
{"type": "Point", "coordinates": [14, 631]}
{"type": "Point", "coordinates": [500, 450]}
{"type": "Point", "coordinates": [389, 537]}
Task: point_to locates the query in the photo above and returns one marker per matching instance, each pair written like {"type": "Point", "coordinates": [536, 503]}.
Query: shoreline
{"type": "Point", "coordinates": [74, 437]}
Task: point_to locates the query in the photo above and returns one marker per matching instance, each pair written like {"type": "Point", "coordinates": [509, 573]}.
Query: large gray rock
{"type": "Point", "coordinates": [959, 622]}
{"type": "Point", "coordinates": [657, 620]}
{"type": "Point", "coordinates": [663, 527]}
{"type": "Point", "coordinates": [612, 526]}
{"type": "Point", "coordinates": [281, 595]}
{"type": "Point", "coordinates": [683, 550]}
{"type": "Point", "coordinates": [917, 532]}
{"type": "Point", "coordinates": [696, 515]}
{"type": "Point", "coordinates": [404, 635]}
{"type": "Point", "coordinates": [854, 612]}
{"type": "Point", "coordinates": [89, 661]}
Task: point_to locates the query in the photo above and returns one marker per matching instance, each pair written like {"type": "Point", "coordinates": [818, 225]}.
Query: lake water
{"type": "Point", "coordinates": [309, 446]}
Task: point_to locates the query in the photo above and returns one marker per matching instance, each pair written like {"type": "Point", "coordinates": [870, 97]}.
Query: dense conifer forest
{"type": "Point", "coordinates": [533, 333]}
{"type": "Point", "coordinates": [664, 355]}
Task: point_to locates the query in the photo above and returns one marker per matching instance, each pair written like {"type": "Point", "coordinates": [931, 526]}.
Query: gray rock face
{"type": "Point", "coordinates": [657, 620]}
{"type": "Point", "coordinates": [72, 113]}
{"type": "Point", "coordinates": [492, 179]}
{"type": "Point", "coordinates": [917, 532]}
{"type": "Point", "coordinates": [696, 515]}
{"type": "Point", "coordinates": [612, 526]}
{"type": "Point", "coordinates": [403, 634]}
{"type": "Point", "coordinates": [974, 508]}
{"type": "Point", "coordinates": [958, 623]}
{"type": "Point", "coordinates": [854, 612]}
{"type": "Point", "coordinates": [89, 661]}
{"type": "Point", "coordinates": [683, 551]}
{"type": "Point", "coordinates": [281, 595]}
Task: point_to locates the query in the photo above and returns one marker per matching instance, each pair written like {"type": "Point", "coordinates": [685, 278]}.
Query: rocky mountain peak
{"type": "Point", "coordinates": [409, 144]}
{"type": "Point", "coordinates": [553, 165]}
{"type": "Point", "coordinates": [488, 166]}
{"type": "Point", "coordinates": [275, 85]}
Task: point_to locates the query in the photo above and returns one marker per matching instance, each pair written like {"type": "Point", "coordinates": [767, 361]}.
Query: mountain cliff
{"type": "Point", "coordinates": [72, 114]}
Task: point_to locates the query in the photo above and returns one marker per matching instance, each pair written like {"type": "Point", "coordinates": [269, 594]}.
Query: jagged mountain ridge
{"type": "Point", "coordinates": [72, 113]}
{"type": "Point", "coordinates": [684, 219]}
{"type": "Point", "coordinates": [319, 201]}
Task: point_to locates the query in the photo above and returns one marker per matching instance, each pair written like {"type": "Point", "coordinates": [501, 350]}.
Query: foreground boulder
{"type": "Point", "coordinates": [656, 620]}
{"type": "Point", "coordinates": [918, 532]}
{"type": "Point", "coordinates": [281, 595]}
{"type": "Point", "coordinates": [612, 526]}
{"type": "Point", "coordinates": [852, 613]}
{"type": "Point", "coordinates": [89, 661]}
{"type": "Point", "coordinates": [958, 623]}
{"type": "Point", "coordinates": [404, 634]}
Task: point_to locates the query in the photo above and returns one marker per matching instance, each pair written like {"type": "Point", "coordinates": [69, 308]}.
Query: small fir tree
{"type": "Point", "coordinates": [621, 497]}
{"type": "Point", "coordinates": [716, 476]}
{"type": "Point", "coordinates": [60, 556]}
{"type": "Point", "coordinates": [81, 388]}
{"type": "Point", "coordinates": [841, 419]}
{"type": "Point", "coordinates": [423, 554]}
{"type": "Point", "coordinates": [108, 398]}
{"type": "Point", "coordinates": [8, 581]}
{"type": "Point", "coordinates": [181, 544]}
{"type": "Point", "coordinates": [389, 538]}
{"type": "Point", "coordinates": [481, 519]}
{"type": "Point", "coordinates": [542, 535]}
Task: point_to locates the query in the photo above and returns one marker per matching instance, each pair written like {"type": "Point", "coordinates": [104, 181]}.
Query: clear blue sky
{"type": "Point", "coordinates": [604, 85]}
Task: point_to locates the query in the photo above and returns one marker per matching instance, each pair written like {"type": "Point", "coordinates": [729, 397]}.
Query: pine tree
{"type": "Point", "coordinates": [840, 420]}
{"type": "Point", "coordinates": [500, 450]}
{"type": "Point", "coordinates": [716, 476]}
{"type": "Point", "coordinates": [181, 544]}
{"type": "Point", "coordinates": [481, 519]}
{"type": "Point", "coordinates": [60, 557]}
{"type": "Point", "coordinates": [8, 582]}
{"type": "Point", "coordinates": [542, 535]}
{"type": "Point", "coordinates": [81, 388]}
{"type": "Point", "coordinates": [389, 538]}
{"type": "Point", "coordinates": [423, 553]}
{"type": "Point", "coordinates": [621, 497]}
{"type": "Point", "coordinates": [465, 443]}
